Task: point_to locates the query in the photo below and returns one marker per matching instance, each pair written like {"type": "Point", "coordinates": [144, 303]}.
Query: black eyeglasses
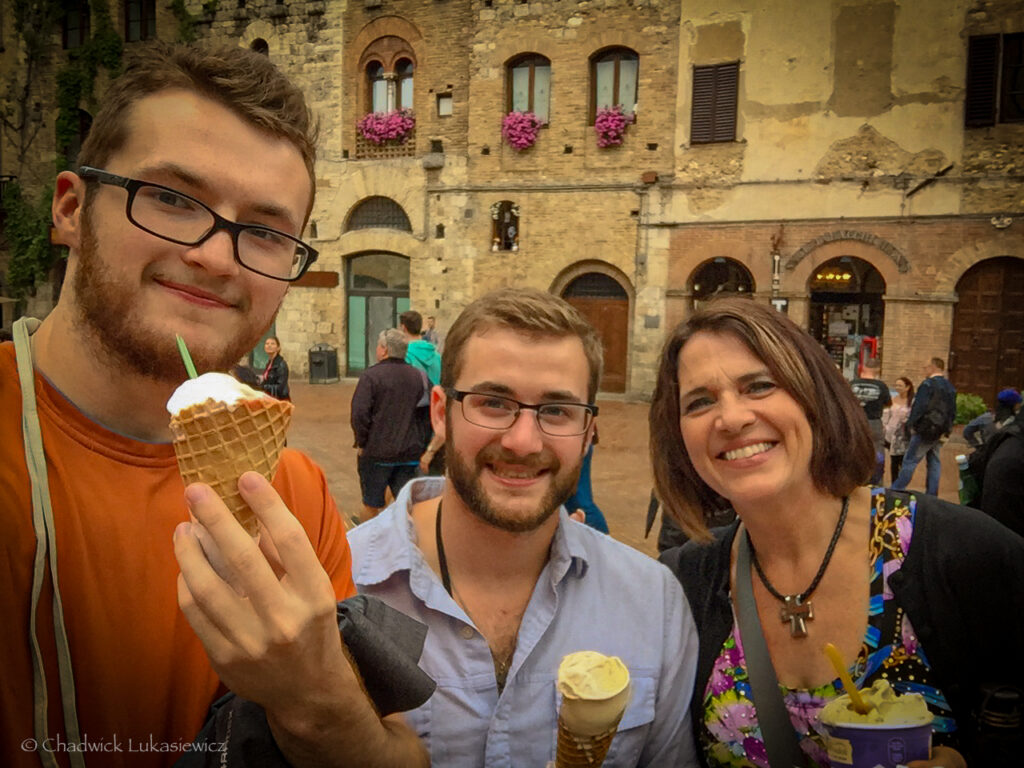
{"type": "Point", "coordinates": [497, 412]}
{"type": "Point", "coordinates": [174, 216]}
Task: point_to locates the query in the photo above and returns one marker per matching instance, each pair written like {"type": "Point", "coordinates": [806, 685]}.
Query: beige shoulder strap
{"type": "Point", "coordinates": [46, 549]}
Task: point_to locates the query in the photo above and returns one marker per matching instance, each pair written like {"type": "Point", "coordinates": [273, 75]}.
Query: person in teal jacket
{"type": "Point", "coordinates": [421, 354]}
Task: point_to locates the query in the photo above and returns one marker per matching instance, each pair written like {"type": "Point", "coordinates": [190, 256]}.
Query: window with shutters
{"type": "Point", "coordinates": [995, 80]}
{"type": "Point", "coordinates": [713, 112]}
{"type": "Point", "coordinates": [613, 80]}
{"type": "Point", "coordinates": [139, 20]}
{"type": "Point", "coordinates": [529, 85]}
{"type": "Point", "coordinates": [75, 25]}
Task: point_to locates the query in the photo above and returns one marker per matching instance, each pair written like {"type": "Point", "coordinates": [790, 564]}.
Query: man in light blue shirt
{"type": "Point", "coordinates": [507, 583]}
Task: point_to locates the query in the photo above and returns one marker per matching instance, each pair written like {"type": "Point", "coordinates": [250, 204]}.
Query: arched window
{"type": "Point", "coordinates": [505, 226]}
{"type": "Point", "coordinates": [529, 85]}
{"type": "Point", "coordinates": [260, 46]}
{"type": "Point", "coordinates": [613, 80]}
{"type": "Point", "coordinates": [378, 212]}
{"type": "Point", "coordinates": [403, 75]}
{"type": "Point", "coordinates": [720, 277]}
{"type": "Point", "coordinates": [377, 87]}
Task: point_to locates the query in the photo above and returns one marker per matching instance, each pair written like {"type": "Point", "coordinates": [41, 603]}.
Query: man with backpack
{"type": "Point", "coordinates": [930, 422]}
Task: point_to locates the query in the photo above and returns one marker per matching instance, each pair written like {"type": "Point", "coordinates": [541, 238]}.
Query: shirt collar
{"type": "Point", "coordinates": [391, 547]}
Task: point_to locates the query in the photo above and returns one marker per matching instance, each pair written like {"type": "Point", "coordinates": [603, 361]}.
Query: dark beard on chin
{"type": "Point", "coordinates": [465, 479]}
{"type": "Point", "coordinates": [110, 313]}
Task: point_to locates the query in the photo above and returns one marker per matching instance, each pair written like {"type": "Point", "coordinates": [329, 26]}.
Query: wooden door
{"type": "Point", "coordinates": [610, 316]}
{"type": "Point", "coordinates": [987, 347]}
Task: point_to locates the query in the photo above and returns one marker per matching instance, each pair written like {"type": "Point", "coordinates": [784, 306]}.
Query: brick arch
{"type": "Point", "coordinates": [797, 277]}
{"type": "Point", "coordinates": [364, 184]}
{"type": "Point", "coordinates": [853, 240]}
{"type": "Point", "coordinates": [614, 39]}
{"type": "Point", "coordinates": [710, 259]}
{"type": "Point", "coordinates": [265, 30]}
{"type": "Point", "coordinates": [535, 42]}
{"type": "Point", "coordinates": [389, 26]}
{"type": "Point", "coordinates": [975, 253]}
{"type": "Point", "coordinates": [580, 268]}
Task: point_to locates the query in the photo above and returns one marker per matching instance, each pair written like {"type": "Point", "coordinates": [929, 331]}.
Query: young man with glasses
{"type": "Point", "coordinates": [488, 558]}
{"type": "Point", "coordinates": [186, 217]}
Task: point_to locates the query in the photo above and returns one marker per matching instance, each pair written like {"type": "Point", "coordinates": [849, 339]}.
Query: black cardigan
{"type": "Point", "coordinates": [961, 585]}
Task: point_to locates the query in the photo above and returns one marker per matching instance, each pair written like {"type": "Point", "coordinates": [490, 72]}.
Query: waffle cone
{"type": "Point", "coordinates": [575, 750]}
{"type": "Point", "coordinates": [215, 443]}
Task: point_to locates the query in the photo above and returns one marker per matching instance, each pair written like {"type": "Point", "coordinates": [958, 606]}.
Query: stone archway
{"type": "Point", "coordinates": [600, 293]}
{"type": "Point", "coordinates": [846, 306]}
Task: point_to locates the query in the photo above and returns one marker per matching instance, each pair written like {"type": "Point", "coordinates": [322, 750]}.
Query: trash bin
{"type": "Point", "coordinates": [323, 364]}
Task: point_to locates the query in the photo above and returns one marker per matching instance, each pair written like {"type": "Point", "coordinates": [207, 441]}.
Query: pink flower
{"type": "Point", "coordinates": [721, 681]}
{"type": "Point", "coordinates": [381, 127]}
{"type": "Point", "coordinates": [520, 129]}
{"type": "Point", "coordinates": [756, 753]}
{"type": "Point", "coordinates": [610, 125]}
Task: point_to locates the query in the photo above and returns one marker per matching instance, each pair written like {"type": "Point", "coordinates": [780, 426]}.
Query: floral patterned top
{"type": "Point", "coordinates": [731, 734]}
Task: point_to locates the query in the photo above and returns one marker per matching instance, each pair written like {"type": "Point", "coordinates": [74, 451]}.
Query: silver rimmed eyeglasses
{"type": "Point", "coordinates": [178, 218]}
{"type": "Point", "coordinates": [498, 412]}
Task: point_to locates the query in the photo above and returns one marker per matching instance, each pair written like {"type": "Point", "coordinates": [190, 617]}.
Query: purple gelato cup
{"type": "Point", "coordinates": [877, 745]}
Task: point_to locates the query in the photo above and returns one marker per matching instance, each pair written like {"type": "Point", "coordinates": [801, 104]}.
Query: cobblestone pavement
{"type": "Point", "coordinates": [621, 468]}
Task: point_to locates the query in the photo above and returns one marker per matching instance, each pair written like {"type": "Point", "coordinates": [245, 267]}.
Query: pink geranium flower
{"type": "Point", "coordinates": [610, 124]}
{"type": "Point", "coordinates": [520, 129]}
{"type": "Point", "coordinates": [382, 127]}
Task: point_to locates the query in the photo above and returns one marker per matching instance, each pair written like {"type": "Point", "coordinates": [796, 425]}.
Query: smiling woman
{"type": "Point", "coordinates": [750, 413]}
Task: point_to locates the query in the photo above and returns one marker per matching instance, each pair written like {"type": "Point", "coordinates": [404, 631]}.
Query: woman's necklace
{"type": "Point", "coordinates": [796, 609]}
{"type": "Point", "coordinates": [501, 665]}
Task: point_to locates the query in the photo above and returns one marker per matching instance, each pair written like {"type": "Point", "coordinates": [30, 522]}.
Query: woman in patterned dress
{"type": "Point", "coordinates": [749, 412]}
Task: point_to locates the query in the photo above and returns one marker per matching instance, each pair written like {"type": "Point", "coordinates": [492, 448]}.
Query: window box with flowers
{"type": "Point", "coordinates": [387, 127]}
{"type": "Point", "coordinates": [610, 125]}
{"type": "Point", "coordinates": [520, 129]}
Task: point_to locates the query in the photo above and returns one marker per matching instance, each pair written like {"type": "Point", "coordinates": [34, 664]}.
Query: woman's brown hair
{"type": "Point", "coordinates": [843, 456]}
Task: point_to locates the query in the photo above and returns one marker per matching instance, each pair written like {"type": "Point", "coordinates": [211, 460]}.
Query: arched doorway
{"type": "Point", "coordinates": [988, 328]}
{"type": "Point", "coordinates": [720, 276]}
{"type": "Point", "coordinates": [605, 304]}
{"type": "Point", "coordinates": [846, 308]}
{"type": "Point", "coordinates": [378, 292]}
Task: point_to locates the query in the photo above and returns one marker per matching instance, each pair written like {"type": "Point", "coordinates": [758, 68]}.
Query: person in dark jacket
{"type": "Point", "coordinates": [388, 431]}
{"type": "Point", "coordinates": [750, 409]}
{"type": "Point", "coordinates": [922, 446]}
{"type": "Point", "coordinates": [274, 379]}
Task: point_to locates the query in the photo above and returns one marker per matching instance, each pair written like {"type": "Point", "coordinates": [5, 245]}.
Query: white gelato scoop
{"type": "Point", "coordinates": [218, 387]}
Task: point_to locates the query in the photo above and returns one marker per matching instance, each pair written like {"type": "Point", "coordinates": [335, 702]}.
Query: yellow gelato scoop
{"type": "Point", "coordinates": [595, 691]}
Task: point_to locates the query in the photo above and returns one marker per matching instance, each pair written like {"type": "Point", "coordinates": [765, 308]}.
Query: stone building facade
{"type": "Point", "coordinates": [856, 162]}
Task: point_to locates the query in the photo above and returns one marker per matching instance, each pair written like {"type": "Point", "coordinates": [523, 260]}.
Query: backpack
{"type": "Point", "coordinates": [936, 419]}
{"type": "Point", "coordinates": [977, 462]}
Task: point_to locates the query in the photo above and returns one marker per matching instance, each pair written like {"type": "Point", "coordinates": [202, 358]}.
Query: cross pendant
{"type": "Point", "coordinates": [797, 614]}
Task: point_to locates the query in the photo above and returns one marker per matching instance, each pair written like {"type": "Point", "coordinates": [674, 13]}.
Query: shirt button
{"type": "Point", "coordinates": [467, 632]}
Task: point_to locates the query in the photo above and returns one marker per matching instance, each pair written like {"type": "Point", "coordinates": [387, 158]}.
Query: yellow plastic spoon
{"type": "Point", "coordinates": [859, 705]}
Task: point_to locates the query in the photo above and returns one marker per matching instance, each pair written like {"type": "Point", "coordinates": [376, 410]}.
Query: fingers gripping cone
{"type": "Point", "coordinates": [595, 690]}
{"type": "Point", "coordinates": [215, 443]}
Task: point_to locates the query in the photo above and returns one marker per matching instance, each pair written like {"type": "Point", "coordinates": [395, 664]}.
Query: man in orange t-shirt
{"type": "Point", "coordinates": [186, 143]}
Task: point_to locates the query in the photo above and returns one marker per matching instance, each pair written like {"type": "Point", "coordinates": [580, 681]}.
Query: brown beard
{"type": "Point", "coordinates": [110, 313]}
{"type": "Point", "coordinates": [465, 479]}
